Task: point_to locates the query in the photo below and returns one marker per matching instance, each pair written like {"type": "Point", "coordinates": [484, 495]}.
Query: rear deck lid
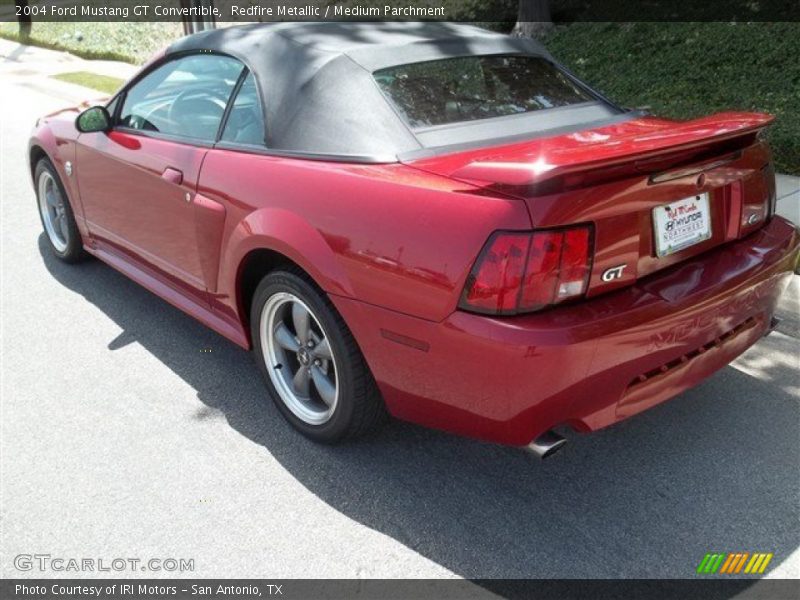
{"type": "Point", "coordinates": [636, 143]}
{"type": "Point", "coordinates": [656, 191]}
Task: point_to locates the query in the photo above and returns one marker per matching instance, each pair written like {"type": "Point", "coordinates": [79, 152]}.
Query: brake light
{"type": "Point", "coordinates": [494, 283]}
{"type": "Point", "coordinates": [524, 272]}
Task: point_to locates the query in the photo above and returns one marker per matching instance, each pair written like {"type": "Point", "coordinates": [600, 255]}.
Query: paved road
{"type": "Point", "coordinates": [129, 430]}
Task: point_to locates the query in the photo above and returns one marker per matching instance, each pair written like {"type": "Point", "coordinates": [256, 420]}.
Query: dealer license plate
{"type": "Point", "coordinates": [681, 224]}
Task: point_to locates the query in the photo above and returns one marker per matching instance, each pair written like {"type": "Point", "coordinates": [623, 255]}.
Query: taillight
{"type": "Point", "coordinates": [524, 272]}
{"type": "Point", "coordinates": [494, 283]}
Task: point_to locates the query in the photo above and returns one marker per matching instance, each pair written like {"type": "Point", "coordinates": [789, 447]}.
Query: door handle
{"type": "Point", "coordinates": [172, 175]}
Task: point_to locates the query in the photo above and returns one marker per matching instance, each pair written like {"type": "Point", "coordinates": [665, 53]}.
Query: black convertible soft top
{"type": "Point", "coordinates": [316, 79]}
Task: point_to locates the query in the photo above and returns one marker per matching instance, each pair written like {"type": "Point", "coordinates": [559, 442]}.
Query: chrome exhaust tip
{"type": "Point", "coordinates": [546, 444]}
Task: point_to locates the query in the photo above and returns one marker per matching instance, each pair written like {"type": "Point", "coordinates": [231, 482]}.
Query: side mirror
{"type": "Point", "coordinates": [93, 119]}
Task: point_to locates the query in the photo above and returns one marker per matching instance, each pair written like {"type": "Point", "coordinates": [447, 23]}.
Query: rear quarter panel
{"type": "Point", "coordinates": [387, 235]}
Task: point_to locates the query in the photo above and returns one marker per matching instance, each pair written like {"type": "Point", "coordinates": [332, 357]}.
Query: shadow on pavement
{"type": "Point", "coordinates": [713, 471]}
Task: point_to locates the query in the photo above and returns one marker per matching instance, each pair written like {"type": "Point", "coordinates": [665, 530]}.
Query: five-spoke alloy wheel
{"type": "Point", "coordinates": [303, 369]}
{"type": "Point", "coordinates": [52, 207]}
{"type": "Point", "coordinates": [313, 367]}
{"type": "Point", "coordinates": [56, 214]}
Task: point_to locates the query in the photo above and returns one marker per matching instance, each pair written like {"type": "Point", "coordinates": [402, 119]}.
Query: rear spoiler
{"type": "Point", "coordinates": [544, 159]}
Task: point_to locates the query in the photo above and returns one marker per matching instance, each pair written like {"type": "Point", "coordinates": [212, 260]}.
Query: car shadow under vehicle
{"type": "Point", "coordinates": [715, 470]}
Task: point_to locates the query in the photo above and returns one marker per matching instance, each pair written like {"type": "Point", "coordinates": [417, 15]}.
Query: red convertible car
{"type": "Point", "coordinates": [430, 221]}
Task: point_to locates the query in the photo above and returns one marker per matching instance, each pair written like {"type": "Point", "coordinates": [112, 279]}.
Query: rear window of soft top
{"type": "Point", "coordinates": [460, 89]}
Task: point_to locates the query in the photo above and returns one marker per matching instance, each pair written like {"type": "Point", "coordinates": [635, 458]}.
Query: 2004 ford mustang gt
{"type": "Point", "coordinates": [431, 221]}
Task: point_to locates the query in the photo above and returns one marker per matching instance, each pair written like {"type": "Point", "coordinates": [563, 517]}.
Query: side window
{"type": "Point", "coordinates": [185, 97]}
{"type": "Point", "coordinates": [245, 123]}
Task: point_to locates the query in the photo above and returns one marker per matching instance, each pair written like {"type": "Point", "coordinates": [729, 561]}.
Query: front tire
{"type": "Point", "coordinates": [56, 214]}
{"type": "Point", "coordinates": [310, 361]}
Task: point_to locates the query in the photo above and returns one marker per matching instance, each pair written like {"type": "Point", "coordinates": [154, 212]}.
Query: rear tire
{"type": "Point", "coordinates": [56, 214]}
{"type": "Point", "coordinates": [310, 361]}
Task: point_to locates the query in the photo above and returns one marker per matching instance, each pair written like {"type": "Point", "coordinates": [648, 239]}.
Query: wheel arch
{"type": "Point", "coordinates": [44, 143]}
{"type": "Point", "coordinates": [35, 154]}
{"type": "Point", "coordinates": [272, 238]}
{"type": "Point", "coordinates": [255, 265]}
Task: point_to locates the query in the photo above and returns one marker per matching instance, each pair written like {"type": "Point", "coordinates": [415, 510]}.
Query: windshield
{"type": "Point", "coordinates": [470, 88]}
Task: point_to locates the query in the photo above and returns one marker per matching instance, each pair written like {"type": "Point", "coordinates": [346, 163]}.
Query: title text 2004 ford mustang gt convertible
{"type": "Point", "coordinates": [433, 221]}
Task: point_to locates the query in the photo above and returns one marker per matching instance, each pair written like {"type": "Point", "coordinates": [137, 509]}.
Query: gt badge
{"type": "Point", "coordinates": [613, 273]}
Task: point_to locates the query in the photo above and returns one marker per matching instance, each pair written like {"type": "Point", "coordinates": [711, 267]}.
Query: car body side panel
{"type": "Point", "coordinates": [128, 201]}
{"type": "Point", "coordinates": [209, 221]}
{"type": "Point", "coordinates": [387, 234]}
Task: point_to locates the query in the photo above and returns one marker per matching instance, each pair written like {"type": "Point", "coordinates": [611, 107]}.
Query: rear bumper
{"type": "Point", "coordinates": [588, 365]}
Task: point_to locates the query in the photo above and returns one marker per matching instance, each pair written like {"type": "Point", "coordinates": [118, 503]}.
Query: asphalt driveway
{"type": "Point", "coordinates": [128, 429]}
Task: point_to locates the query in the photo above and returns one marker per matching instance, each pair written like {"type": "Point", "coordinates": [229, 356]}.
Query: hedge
{"type": "Point", "coordinates": [686, 70]}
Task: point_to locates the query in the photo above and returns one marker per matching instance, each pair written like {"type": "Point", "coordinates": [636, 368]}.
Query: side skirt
{"type": "Point", "coordinates": [159, 287]}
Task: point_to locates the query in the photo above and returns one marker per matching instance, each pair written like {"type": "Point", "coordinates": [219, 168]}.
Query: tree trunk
{"type": "Point", "coordinates": [23, 19]}
{"type": "Point", "coordinates": [533, 18]}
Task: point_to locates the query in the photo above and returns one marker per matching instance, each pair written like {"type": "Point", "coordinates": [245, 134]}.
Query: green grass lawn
{"type": "Point", "coordinates": [685, 70]}
{"type": "Point", "coordinates": [128, 42]}
{"type": "Point", "coordinates": [104, 83]}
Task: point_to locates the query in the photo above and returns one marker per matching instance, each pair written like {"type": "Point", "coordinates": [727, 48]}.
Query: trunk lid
{"type": "Point", "coordinates": [615, 176]}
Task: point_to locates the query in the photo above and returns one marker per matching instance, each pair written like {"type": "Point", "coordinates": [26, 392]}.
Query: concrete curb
{"type": "Point", "coordinates": [788, 197]}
